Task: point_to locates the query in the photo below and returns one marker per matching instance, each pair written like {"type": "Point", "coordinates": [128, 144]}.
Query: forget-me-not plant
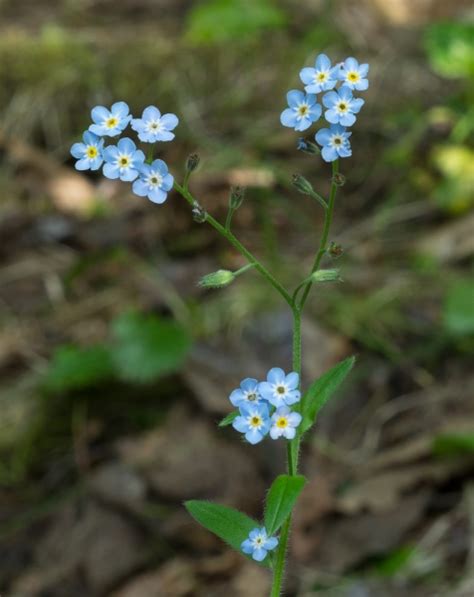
{"type": "Point", "coordinates": [275, 408]}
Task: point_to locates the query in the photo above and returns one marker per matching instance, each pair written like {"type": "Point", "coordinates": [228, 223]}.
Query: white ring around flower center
{"type": "Point", "coordinates": [302, 110]}
{"type": "Point", "coordinates": [342, 106]}
{"type": "Point", "coordinates": [154, 179]}
{"type": "Point", "coordinates": [320, 76]}
{"type": "Point", "coordinates": [255, 421]}
{"type": "Point", "coordinates": [336, 141]}
{"type": "Point", "coordinates": [280, 389]}
{"type": "Point", "coordinates": [155, 126]}
{"type": "Point", "coordinates": [282, 422]}
{"type": "Point", "coordinates": [124, 160]}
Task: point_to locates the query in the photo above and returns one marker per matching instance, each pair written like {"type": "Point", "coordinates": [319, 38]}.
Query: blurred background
{"type": "Point", "coordinates": [115, 366]}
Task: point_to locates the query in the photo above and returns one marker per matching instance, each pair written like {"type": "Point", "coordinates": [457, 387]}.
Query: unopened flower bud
{"type": "Point", "coordinates": [199, 215]}
{"type": "Point", "coordinates": [307, 146]}
{"type": "Point", "coordinates": [302, 184]}
{"type": "Point", "coordinates": [335, 250]}
{"type": "Point", "coordinates": [339, 179]}
{"type": "Point", "coordinates": [326, 275]}
{"type": "Point", "coordinates": [218, 279]}
{"type": "Point", "coordinates": [192, 162]}
{"type": "Point", "coordinates": [236, 198]}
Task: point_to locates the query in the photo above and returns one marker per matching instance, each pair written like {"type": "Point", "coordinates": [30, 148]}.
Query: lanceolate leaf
{"type": "Point", "coordinates": [280, 500]}
{"type": "Point", "coordinates": [321, 390]}
{"type": "Point", "coordinates": [228, 419]}
{"type": "Point", "coordinates": [230, 525]}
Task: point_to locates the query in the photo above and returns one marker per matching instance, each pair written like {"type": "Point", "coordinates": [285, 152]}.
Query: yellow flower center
{"type": "Point", "coordinates": [282, 422]}
{"type": "Point", "coordinates": [342, 107]}
{"type": "Point", "coordinates": [281, 390]}
{"type": "Point", "coordinates": [353, 76]}
{"type": "Point", "coordinates": [124, 161]}
{"type": "Point", "coordinates": [322, 76]}
{"type": "Point", "coordinates": [337, 140]}
{"type": "Point", "coordinates": [92, 152]}
{"type": "Point", "coordinates": [255, 421]}
{"type": "Point", "coordinates": [111, 122]}
{"type": "Point", "coordinates": [303, 110]}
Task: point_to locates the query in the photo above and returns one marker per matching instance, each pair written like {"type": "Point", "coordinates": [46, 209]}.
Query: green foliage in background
{"type": "Point", "coordinates": [143, 349]}
{"type": "Point", "coordinates": [458, 310]}
{"type": "Point", "coordinates": [218, 21]}
{"type": "Point", "coordinates": [450, 48]}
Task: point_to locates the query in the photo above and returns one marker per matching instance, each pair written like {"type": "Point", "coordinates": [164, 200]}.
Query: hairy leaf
{"type": "Point", "coordinates": [280, 500]}
{"type": "Point", "coordinates": [321, 391]}
{"type": "Point", "coordinates": [228, 419]}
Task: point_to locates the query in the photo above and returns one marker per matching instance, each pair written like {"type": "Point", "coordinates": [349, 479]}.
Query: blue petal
{"type": "Point", "coordinates": [240, 424]}
{"type": "Point", "coordinates": [362, 85]}
{"type": "Point", "coordinates": [83, 164]}
{"type": "Point", "coordinates": [289, 432]}
{"type": "Point", "coordinates": [303, 124]}
{"type": "Point", "coordinates": [138, 124]}
{"type": "Point", "coordinates": [99, 114]}
{"type": "Point", "coordinates": [98, 129]}
{"type": "Point", "coordinates": [151, 113]}
{"type": "Point", "coordinates": [146, 136]}
{"type": "Point", "coordinates": [356, 105]}
{"type": "Point", "coordinates": [96, 163]}
{"type": "Point", "coordinates": [265, 390]}
{"type": "Point", "coordinates": [160, 166]}
{"type": "Point", "coordinates": [345, 152]}
{"type": "Point", "coordinates": [236, 397]}
{"type": "Point", "coordinates": [157, 196]}
{"type": "Point", "coordinates": [120, 109]}
{"type": "Point", "coordinates": [253, 436]}
{"type": "Point", "coordinates": [293, 397]}
{"type": "Point", "coordinates": [110, 171]}
{"type": "Point", "coordinates": [78, 150]}
{"type": "Point", "coordinates": [271, 543]}
{"type": "Point", "coordinates": [307, 75]}
{"type": "Point", "coordinates": [259, 554]}
{"type": "Point", "coordinates": [345, 92]}
{"type": "Point", "coordinates": [294, 97]}
{"type": "Point", "coordinates": [347, 119]}
{"type": "Point", "coordinates": [351, 64]}
{"type": "Point", "coordinates": [145, 170]}
{"type": "Point", "coordinates": [330, 98]}
{"type": "Point", "coordinates": [331, 116]}
{"type": "Point", "coordinates": [140, 188]}
{"type": "Point", "coordinates": [276, 375]}
{"type": "Point", "coordinates": [315, 112]}
{"type": "Point", "coordinates": [288, 117]}
{"type": "Point", "coordinates": [126, 145]}
{"type": "Point", "coordinates": [128, 174]}
{"type": "Point", "coordinates": [167, 183]}
{"type": "Point", "coordinates": [247, 546]}
{"type": "Point", "coordinates": [292, 380]}
{"type": "Point", "coordinates": [329, 154]}
{"type": "Point", "coordinates": [111, 153]}
{"type": "Point", "coordinates": [249, 384]}
{"type": "Point", "coordinates": [322, 62]}
{"type": "Point", "coordinates": [294, 419]}
{"type": "Point", "coordinates": [323, 136]}
{"type": "Point", "coordinates": [138, 158]}
{"type": "Point", "coordinates": [164, 136]}
{"type": "Point", "coordinates": [170, 121]}
{"type": "Point", "coordinates": [254, 533]}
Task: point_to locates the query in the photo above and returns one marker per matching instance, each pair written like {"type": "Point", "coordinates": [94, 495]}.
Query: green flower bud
{"type": "Point", "coordinates": [339, 179]}
{"type": "Point", "coordinates": [302, 184]}
{"type": "Point", "coordinates": [326, 275]}
{"type": "Point", "coordinates": [307, 146]}
{"type": "Point", "coordinates": [335, 250]}
{"type": "Point", "coordinates": [236, 198]}
{"type": "Point", "coordinates": [192, 162]}
{"type": "Point", "coordinates": [218, 279]}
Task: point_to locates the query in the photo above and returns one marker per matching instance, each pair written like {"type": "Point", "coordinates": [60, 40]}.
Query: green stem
{"type": "Point", "coordinates": [279, 568]}
{"type": "Point", "coordinates": [228, 219]}
{"type": "Point", "coordinates": [324, 238]}
{"type": "Point", "coordinates": [239, 246]}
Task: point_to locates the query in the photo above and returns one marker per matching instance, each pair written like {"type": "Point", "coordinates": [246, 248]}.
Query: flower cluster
{"type": "Point", "coordinates": [341, 105]}
{"type": "Point", "coordinates": [125, 161]}
{"type": "Point", "coordinates": [264, 406]}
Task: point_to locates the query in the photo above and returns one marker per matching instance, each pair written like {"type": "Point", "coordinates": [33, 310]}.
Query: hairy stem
{"type": "Point", "coordinates": [324, 238]}
{"type": "Point", "coordinates": [239, 246]}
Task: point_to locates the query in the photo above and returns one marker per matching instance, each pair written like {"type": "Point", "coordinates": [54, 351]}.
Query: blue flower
{"type": "Point", "coordinates": [335, 142]}
{"type": "Point", "coordinates": [155, 181]}
{"type": "Point", "coordinates": [259, 544]}
{"type": "Point", "coordinates": [284, 423]}
{"type": "Point", "coordinates": [353, 74]}
{"type": "Point", "coordinates": [89, 153]}
{"type": "Point", "coordinates": [152, 126]}
{"type": "Point", "coordinates": [123, 160]}
{"type": "Point", "coordinates": [254, 421]}
{"type": "Point", "coordinates": [342, 106]}
{"type": "Point", "coordinates": [320, 78]}
{"type": "Point", "coordinates": [110, 122]}
{"type": "Point", "coordinates": [303, 110]}
{"type": "Point", "coordinates": [247, 393]}
{"type": "Point", "coordinates": [280, 389]}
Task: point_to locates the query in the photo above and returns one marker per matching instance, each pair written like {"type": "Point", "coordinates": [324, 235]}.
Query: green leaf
{"type": "Point", "coordinates": [220, 21]}
{"type": "Point", "coordinates": [228, 419]}
{"type": "Point", "coordinates": [321, 390]}
{"type": "Point", "coordinates": [147, 347]}
{"type": "Point", "coordinates": [454, 444]}
{"type": "Point", "coordinates": [458, 309]}
{"type": "Point", "coordinates": [230, 525]}
{"type": "Point", "coordinates": [280, 500]}
{"type": "Point", "coordinates": [74, 368]}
